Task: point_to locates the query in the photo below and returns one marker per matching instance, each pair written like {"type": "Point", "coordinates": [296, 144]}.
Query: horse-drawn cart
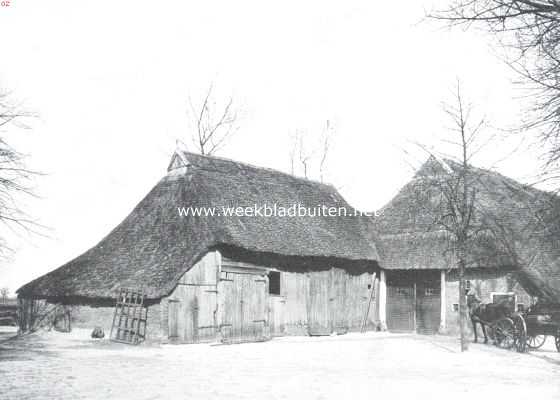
{"type": "Point", "coordinates": [513, 330]}
{"type": "Point", "coordinates": [542, 320]}
{"type": "Point", "coordinates": [507, 329]}
{"type": "Point", "coordinates": [510, 332]}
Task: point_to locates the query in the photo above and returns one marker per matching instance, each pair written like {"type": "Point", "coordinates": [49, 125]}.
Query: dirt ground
{"type": "Point", "coordinates": [54, 365]}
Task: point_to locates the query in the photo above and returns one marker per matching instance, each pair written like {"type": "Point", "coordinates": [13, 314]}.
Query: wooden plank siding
{"type": "Point", "coordinates": [229, 300]}
{"type": "Point", "coordinates": [192, 307]}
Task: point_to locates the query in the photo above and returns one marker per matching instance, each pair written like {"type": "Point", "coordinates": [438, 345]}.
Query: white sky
{"type": "Point", "coordinates": [111, 79]}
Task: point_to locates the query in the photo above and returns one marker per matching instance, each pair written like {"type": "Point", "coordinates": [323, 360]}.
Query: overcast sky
{"type": "Point", "coordinates": [111, 80]}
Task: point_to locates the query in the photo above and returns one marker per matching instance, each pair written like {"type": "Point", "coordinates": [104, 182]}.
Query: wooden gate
{"type": "Point", "coordinates": [243, 306]}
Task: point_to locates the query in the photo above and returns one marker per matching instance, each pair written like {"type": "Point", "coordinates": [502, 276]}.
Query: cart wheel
{"type": "Point", "coordinates": [505, 333]}
{"type": "Point", "coordinates": [557, 341]}
{"type": "Point", "coordinates": [534, 342]}
{"type": "Point", "coordinates": [520, 334]}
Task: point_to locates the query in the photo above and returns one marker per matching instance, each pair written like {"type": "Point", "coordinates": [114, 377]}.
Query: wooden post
{"type": "Point", "coordinates": [443, 308]}
{"type": "Point", "coordinates": [383, 300]}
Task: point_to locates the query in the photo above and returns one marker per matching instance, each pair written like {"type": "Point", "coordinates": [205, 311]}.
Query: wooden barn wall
{"type": "Point", "coordinates": [483, 283]}
{"type": "Point", "coordinates": [189, 313]}
{"type": "Point", "coordinates": [324, 301]}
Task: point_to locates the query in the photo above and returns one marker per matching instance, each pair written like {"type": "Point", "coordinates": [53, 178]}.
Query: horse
{"type": "Point", "coordinates": [485, 314]}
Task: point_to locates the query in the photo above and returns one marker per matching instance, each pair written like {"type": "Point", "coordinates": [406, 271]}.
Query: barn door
{"type": "Point", "coordinates": [318, 313]}
{"type": "Point", "coordinates": [243, 300]}
{"type": "Point", "coordinates": [401, 304]}
{"type": "Point", "coordinates": [173, 314]}
{"type": "Point", "coordinates": [277, 309]}
{"type": "Point", "coordinates": [258, 316]}
{"type": "Point", "coordinates": [337, 301]}
{"type": "Point", "coordinates": [199, 317]}
{"type": "Point", "coordinates": [428, 302]}
{"type": "Point", "coordinates": [326, 305]}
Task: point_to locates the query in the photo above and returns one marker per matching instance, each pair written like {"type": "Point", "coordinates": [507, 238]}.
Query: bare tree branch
{"type": "Point", "coordinates": [530, 32]}
{"type": "Point", "coordinates": [213, 126]}
{"type": "Point", "coordinates": [15, 177]}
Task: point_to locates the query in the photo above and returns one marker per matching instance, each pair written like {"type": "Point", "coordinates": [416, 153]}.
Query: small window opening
{"type": "Point", "coordinates": [468, 285]}
{"type": "Point", "coordinates": [456, 307]}
{"type": "Point", "coordinates": [402, 291]}
{"type": "Point", "coordinates": [430, 291]}
{"type": "Point", "coordinates": [274, 283]}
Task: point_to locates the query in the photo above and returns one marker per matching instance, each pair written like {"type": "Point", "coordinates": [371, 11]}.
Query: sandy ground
{"type": "Point", "coordinates": [354, 366]}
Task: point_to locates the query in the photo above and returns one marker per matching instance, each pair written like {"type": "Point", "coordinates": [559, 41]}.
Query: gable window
{"type": "Point", "coordinates": [274, 283]}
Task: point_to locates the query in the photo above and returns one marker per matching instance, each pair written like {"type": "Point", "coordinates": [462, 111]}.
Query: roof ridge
{"type": "Point", "coordinates": [253, 166]}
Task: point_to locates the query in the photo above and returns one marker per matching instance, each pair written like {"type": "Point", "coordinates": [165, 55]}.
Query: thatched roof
{"type": "Point", "coordinates": [154, 246]}
{"type": "Point", "coordinates": [524, 221]}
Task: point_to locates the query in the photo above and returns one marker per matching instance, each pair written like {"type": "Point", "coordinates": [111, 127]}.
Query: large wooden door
{"type": "Point", "coordinates": [400, 301]}
{"type": "Point", "coordinates": [428, 302]}
{"type": "Point", "coordinates": [244, 306]}
{"type": "Point", "coordinates": [318, 313]}
{"type": "Point", "coordinates": [326, 305]}
{"type": "Point", "coordinates": [337, 301]}
{"type": "Point", "coordinates": [413, 301]}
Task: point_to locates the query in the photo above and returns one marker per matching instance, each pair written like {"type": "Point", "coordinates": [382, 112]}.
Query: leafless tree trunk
{"type": "Point", "coordinates": [447, 194]}
{"type": "Point", "coordinates": [214, 125]}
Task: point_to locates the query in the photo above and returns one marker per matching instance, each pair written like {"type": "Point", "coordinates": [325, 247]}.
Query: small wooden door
{"type": "Point", "coordinates": [277, 309]}
{"type": "Point", "coordinates": [173, 314]}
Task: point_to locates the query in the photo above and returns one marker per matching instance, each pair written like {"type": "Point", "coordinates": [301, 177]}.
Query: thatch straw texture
{"type": "Point", "coordinates": [154, 246]}
{"type": "Point", "coordinates": [519, 228]}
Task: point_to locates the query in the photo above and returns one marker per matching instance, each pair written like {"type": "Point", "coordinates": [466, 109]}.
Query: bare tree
{"type": "Point", "coordinates": [446, 195]}
{"type": "Point", "coordinates": [530, 32]}
{"type": "Point", "coordinates": [310, 154]}
{"type": "Point", "coordinates": [214, 124]}
{"type": "Point", "coordinates": [325, 149]}
{"type": "Point", "coordinates": [15, 177]}
{"type": "Point", "coordinates": [4, 292]}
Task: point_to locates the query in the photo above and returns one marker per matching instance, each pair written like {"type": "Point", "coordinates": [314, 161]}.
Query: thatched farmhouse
{"type": "Point", "coordinates": [419, 270]}
{"type": "Point", "coordinates": [236, 277]}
